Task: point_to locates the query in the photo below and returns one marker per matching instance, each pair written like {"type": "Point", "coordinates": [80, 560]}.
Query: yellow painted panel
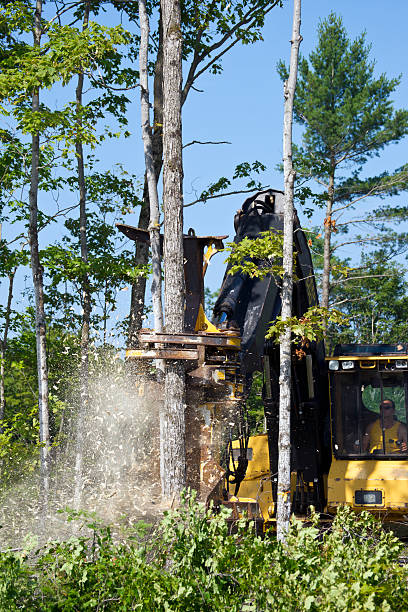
{"type": "Point", "coordinates": [259, 465]}
{"type": "Point", "coordinates": [391, 477]}
{"type": "Point", "coordinates": [203, 324]}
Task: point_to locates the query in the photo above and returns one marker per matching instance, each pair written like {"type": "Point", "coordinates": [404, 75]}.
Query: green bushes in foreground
{"type": "Point", "coordinates": [192, 562]}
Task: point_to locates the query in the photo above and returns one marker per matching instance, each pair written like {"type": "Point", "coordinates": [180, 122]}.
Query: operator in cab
{"type": "Point", "coordinates": [395, 432]}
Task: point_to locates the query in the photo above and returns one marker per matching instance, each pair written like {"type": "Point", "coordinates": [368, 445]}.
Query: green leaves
{"type": "Point", "coordinates": [262, 256]}
{"type": "Point", "coordinates": [244, 170]}
{"type": "Point", "coordinates": [67, 51]}
{"type": "Point", "coordinates": [346, 111]}
{"type": "Point", "coordinates": [308, 328]}
{"type": "Point", "coordinates": [205, 23]}
{"type": "Point", "coordinates": [193, 561]}
{"type": "Point", "coordinates": [257, 257]}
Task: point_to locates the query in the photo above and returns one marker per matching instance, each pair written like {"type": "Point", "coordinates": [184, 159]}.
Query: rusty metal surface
{"type": "Point", "coordinates": [135, 233]}
{"type": "Point", "coordinates": [194, 265]}
{"type": "Point", "coordinates": [224, 339]}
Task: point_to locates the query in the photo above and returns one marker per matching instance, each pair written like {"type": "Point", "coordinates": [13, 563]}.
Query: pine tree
{"type": "Point", "coordinates": [348, 118]}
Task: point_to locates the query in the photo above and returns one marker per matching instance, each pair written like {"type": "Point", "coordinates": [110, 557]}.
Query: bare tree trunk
{"type": "Point", "coordinates": [86, 290]}
{"type": "Point", "coordinates": [37, 273]}
{"type": "Point", "coordinates": [172, 420]}
{"type": "Point", "coordinates": [3, 346]}
{"type": "Point", "coordinates": [137, 299]}
{"type": "Point", "coordinates": [285, 377]}
{"type": "Point", "coordinates": [154, 225]}
{"type": "Point", "coordinates": [141, 250]}
{"type": "Point", "coordinates": [328, 224]}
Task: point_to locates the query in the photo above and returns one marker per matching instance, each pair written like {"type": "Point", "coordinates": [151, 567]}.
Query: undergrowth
{"type": "Point", "coordinates": [192, 561]}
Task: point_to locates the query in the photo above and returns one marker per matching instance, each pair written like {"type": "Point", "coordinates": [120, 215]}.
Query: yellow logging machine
{"type": "Point", "coordinates": [349, 411]}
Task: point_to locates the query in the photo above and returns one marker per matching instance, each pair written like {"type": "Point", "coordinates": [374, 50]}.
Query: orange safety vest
{"type": "Point", "coordinates": [390, 435]}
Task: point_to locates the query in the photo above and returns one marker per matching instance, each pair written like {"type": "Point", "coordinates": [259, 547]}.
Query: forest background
{"type": "Point", "coordinates": [241, 106]}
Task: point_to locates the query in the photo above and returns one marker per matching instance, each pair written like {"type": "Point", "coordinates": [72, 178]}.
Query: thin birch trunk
{"type": "Point", "coordinates": [172, 421]}
{"type": "Point", "coordinates": [327, 244]}
{"type": "Point", "coordinates": [37, 272]}
{"type": "Point", "coordinates": [285, 377]}
{"type": "Point", "coordinates": [154, 225]}
{"type": "Point", "coordinates": [137, 298]}
{"type": "Point", "coordinates": [3, 346]}
{"type": "Point", "coordinates": [86, 290]}
{"type": "Point", "coordinates": [141, 250]}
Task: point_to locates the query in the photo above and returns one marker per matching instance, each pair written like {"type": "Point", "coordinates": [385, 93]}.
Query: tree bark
{"type": "Point", "coordinates": [3, 346]}
{"type": "Point", "coordinates": [328, 226]}
{"type": "Point", "coordinates": [37, 272]}
{"type": "Point", "coordinates": [137, 300]}
{"type": "Point", "coordinates": [154, 225]}
{"type": "Point", "coordinates": [285, 376]}
{"type": "Point", "coordinates": [86, 289]}
{"type": "Point", "coordinates": [172, 421]}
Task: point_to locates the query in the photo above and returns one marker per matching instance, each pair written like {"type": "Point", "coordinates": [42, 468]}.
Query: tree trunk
{"type": "Point", "coordinates": [172, 420]}
{"type": "Point", "coordinates": [37, 273]}
{"type": "Point", "coordinates": [327, 243]}
{"type": "Point", "coordinates": [86, 290]}
{"type": "Point", "coordinates": [3, 347]}
{"type": "Point", "coordinates": [141, 250]}
{"type": "Point", "coordinates": [285, 376]}
{"type": "Point", "coordinates": [138, 286]}
{"type": "Point", "coordinates": [154, 225]}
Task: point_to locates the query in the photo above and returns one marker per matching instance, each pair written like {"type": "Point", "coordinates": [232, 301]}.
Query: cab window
{"type": "Point", "coordinates": [359, 426]}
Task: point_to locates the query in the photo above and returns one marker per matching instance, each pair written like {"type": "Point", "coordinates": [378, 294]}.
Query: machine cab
{"type": "Point", "coordinates": [369, 402]}
{"type": "Point", "coordinates": [369, 409]}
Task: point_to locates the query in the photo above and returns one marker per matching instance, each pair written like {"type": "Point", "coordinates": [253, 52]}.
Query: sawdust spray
{"type": "Point", "coordinates": [107, 462]}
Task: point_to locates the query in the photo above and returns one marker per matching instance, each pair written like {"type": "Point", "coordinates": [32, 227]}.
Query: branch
{"type": "Point", "coordinates": [368, 220]}
{"type": "Point", "coordinates": [206, 143]}
{"type": "Point", "coordinates": [377, 188]}
{"type": "Point", "coordinates": [320, 182]}
{"type": "Point", "coordinates": [105, 85]}
{"type": "Point", "coordinates": [66, 7]}
{"type": "Point", "coordinates": [221, 195]}
{"type": "Point", "coordinates": [360, 241]}
{"type": "Point", "coordinates": [198, 59]}
{"type": "Point", "coordinates": [19, 237]}
{"type": "Point", "coordinates": [346, 206]}
{"type": "Point", "coordinates": [347, 300]}
{"type": "Point", "coordinates": [344, 280]}
{"type": "Point", "coordinates": [205, 68]}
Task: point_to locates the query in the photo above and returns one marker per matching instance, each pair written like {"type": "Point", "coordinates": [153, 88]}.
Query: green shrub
{"type": "Point", "coordinates": [192, 562]}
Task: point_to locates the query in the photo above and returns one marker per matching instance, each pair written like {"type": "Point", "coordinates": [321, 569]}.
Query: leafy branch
{"type": "Point", "coordinates": [307, 328]}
